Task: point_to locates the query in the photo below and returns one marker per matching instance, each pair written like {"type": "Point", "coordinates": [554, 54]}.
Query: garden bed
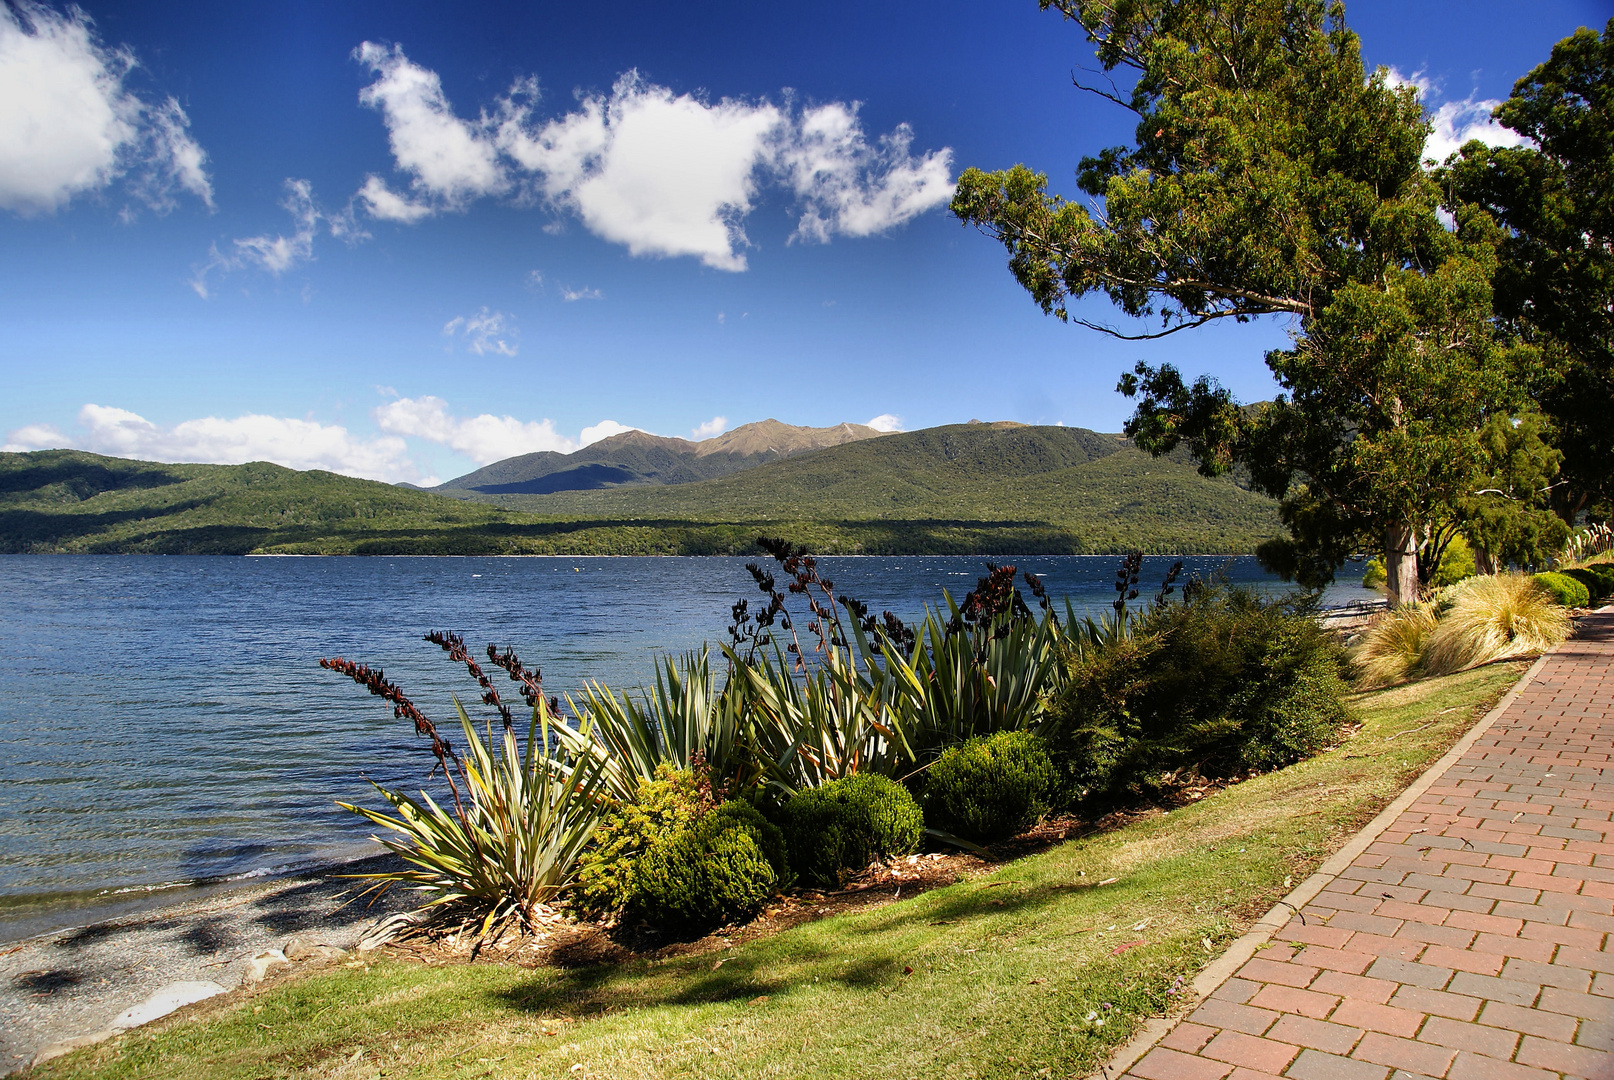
{"type": "Point", "coordinates": [1040, 966]}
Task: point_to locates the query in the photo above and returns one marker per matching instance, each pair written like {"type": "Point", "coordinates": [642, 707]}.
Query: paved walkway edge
{"type": "Point", "coordinates": [1223, 967]}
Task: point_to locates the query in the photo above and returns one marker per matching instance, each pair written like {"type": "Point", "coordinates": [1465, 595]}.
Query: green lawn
{"type": "Point", "coordinates": [1016, 973]}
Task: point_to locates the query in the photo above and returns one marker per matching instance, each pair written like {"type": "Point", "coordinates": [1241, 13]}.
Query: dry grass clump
{"type": "Point", "coordinates": [1494, 617]}
{"type": "Point", "coordinates": [1477, 621]}
{"type": "Point", "coordinates": [1393, 644]}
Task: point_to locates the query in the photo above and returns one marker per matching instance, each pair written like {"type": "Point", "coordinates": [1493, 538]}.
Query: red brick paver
{"type": "Point", "coordinates": [1471, 939]}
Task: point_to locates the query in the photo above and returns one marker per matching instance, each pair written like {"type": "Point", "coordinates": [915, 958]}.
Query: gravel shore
{"type": "Point", "coordinates": [75, 983]}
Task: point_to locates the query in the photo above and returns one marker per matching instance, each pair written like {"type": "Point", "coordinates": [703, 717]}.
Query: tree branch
{"type": "Point", "coordinates": [1114, 333]}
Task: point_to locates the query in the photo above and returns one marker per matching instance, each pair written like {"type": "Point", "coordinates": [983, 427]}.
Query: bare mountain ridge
{"type": "Point", "coordinates": [636, 458]}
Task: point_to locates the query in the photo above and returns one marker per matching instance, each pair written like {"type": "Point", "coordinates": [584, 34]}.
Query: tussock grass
{"type": "Point", "coordinates": [1494, 617]}
{"type": "Point", "coordinates": [1010, 972]}
{"type": "Point", "coordinates": [1393, 644]}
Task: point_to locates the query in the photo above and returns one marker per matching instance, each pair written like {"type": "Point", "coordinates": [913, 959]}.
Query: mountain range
{"type": "Point", "coordinates": [988, 489]}
{"type": "Point", "coordinates": [637, 457]}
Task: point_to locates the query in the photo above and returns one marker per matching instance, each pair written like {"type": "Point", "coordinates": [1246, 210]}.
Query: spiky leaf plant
{"type": "Point", "coordinates": [508, 846]}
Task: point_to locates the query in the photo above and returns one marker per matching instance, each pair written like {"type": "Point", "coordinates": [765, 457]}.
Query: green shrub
{"type": "Point", "coordinates": [1599, 580]}
{"type": "Point", "coordinates": [1566, 590]}
{"type": "Point", "coordinates": [661, 809]}
{"type": "Point", "coordinates": [718, 870]}
{"type": "Point", "coordinates": [1373, 575]}
{"type": "Point", "coordinates": [990, 787]}
{"type": "Point", "coordinates": [1456, 563]}
{"type": "Point", "coordinates": [1223, 682]}
{"type": "Point", "coordinates": [846, 824]}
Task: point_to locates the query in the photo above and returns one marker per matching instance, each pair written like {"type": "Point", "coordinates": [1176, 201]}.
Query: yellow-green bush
{"type": "Point", "coordinates": [1565, 589]}
{"type": "Point", "coordinates": [661, 808]}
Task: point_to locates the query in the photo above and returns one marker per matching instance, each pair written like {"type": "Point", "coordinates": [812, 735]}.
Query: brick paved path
{"type": "Point", "coordinates": [1471, 940]}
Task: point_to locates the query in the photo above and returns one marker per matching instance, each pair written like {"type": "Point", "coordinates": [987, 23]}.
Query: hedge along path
{"type": "Point", "coordinates": [1042, 968]}
{"type": "Point", "coordinates": [1462, 935]}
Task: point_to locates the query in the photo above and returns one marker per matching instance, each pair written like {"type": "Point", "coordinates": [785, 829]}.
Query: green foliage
{"type": "Point", "coordinates": [660, 809]}
{"type": "Point", "coordinates": [1506, 513]}
{"type": "Point", "coordinates": [511, 844]}
{"type": "Point", "coordinates": [1373, 576]}
{"type": "Point", "coordinates": [1554, 198]}
{"type": "Point", "coordinates": [720, 869]}
{"type": "Point", "coordinates": [990, 787]}
{"type": "Point", "coordinates": [1273, 174]}
{"type": "Point", "coordinates": [845, 825]}
{"type": "Point", "coordinates": [1566, 590]}
{"type": "Point", "coordinates": [1456, 563]}
{"type": "Point", "coordinates": [1599, 580]}
{"type": "Point", "coordinates": [1223, 682]}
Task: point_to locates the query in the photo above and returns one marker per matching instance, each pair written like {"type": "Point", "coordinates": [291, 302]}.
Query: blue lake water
{"type": "Point", "coordinates": [164, 718]}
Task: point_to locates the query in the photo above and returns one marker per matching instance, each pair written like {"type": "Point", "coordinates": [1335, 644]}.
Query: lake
{"type": "Point", "coordinates": [164, 719]}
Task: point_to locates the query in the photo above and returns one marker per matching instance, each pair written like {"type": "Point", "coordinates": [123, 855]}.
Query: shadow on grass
{"type": "Point", "coordinates": [589, 991]}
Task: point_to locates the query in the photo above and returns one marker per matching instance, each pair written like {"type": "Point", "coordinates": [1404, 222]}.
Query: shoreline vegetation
{"type": "Point", "coordinates": [1018, 968]}
{"type": "Point", "coordinates": [963, 490]}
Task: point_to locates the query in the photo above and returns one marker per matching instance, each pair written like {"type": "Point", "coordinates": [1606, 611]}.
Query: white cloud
{"type": "Point", "coordinates": [449, 160]}
{"type": "Point", "coordinates": [855, 189]}
{"type": "Point", "coordinates": [573, 295]}
{"type": "Point", "coordinates": [1454, 123]}
{"type": "Point", "coordinates": [711, 428]}
{"type": "Point", "coordinates": [296, 444]}
{"type": "Point", "coordinates": [483, 439]}
{"type": "Point", "coordinates": [885, 422]}
{"type": "Point", "coordinates": [660, 173]}
{"type": "Point", "coordinates": [70, 126]}
{"type": "Point", "coordinates": [603, 430]}
{"type": "Point", "coordinates": [485, 332]}
{"type": "Point", "coordinates": [280, 252]}
{"type": "Point", "coordinates": [382, 202]}
{"type": "Point", "coordinates": [35, 437]}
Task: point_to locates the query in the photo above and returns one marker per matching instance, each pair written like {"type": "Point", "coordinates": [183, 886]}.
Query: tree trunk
{"type": "Point", "coordinates": [1401, 564]}
{"type": "Point", "coordinates": [1483, 563]}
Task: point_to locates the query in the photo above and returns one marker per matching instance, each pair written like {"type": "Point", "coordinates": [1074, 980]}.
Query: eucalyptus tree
{"type": "Point", "coordinates": [1271, 175]}
{"type": "Point", "coordinates": [1554, 199]}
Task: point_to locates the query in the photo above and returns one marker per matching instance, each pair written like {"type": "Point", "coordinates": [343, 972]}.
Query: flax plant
{"type": "Point", "coordinates": [687, 719]}
{"type": "Point", "coordinates": [518, 819]}
{"type": "Point", "coordinates": [510, 849]}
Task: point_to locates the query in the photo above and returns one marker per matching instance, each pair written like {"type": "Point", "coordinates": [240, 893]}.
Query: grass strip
{"type": "Point", "coordinates": [1034, 970]}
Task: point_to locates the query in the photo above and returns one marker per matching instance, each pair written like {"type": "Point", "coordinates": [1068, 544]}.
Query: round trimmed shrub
{"type": "Point", "coordinates": [990, 787]}
{"type": "Point", "coordinates": [844, 825]}
{"type": "Point", "coordinates": [1565, 589]}
{"type": "Point", "coordinates": [1599, 580]}
{"type": "Point", "coordinates": [719, 870]}
{"type": "Point", "coordinates": [661, 809]}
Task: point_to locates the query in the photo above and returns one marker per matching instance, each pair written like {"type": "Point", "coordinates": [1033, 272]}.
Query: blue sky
{"type": "Point", "coordinates": [401, 240]}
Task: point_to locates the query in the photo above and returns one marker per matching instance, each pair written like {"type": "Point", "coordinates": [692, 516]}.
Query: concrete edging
{"type": "Point", "coordinates": [1208, 981]}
